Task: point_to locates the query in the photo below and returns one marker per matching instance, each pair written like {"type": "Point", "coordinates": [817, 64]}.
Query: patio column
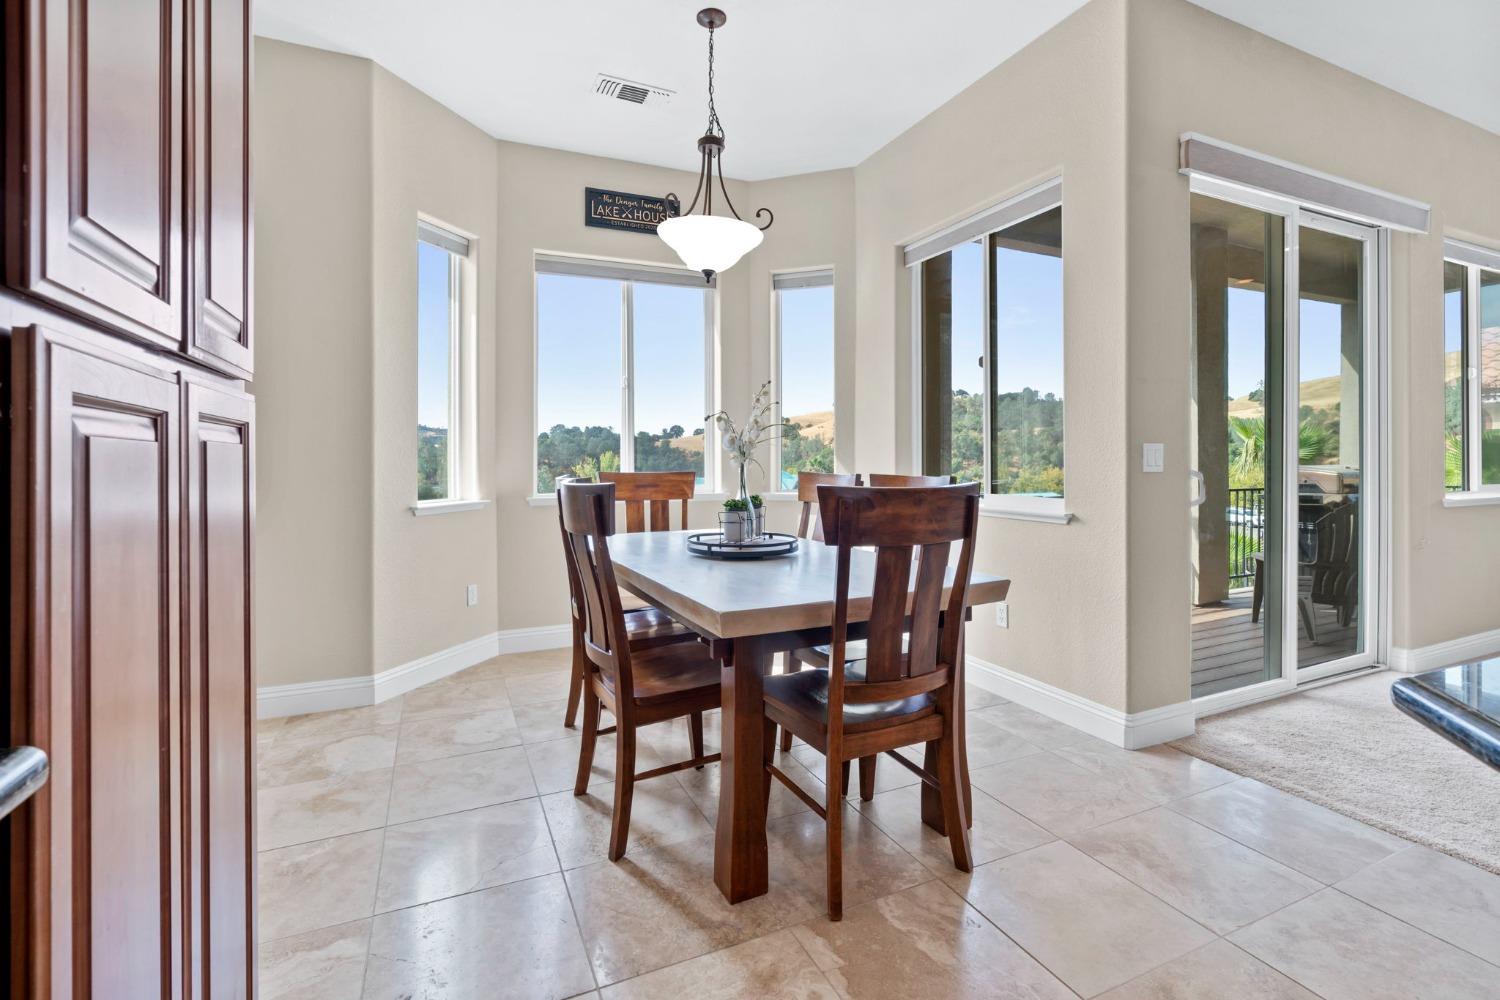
{"type": "Point", "coordinates": [1351, 365]}
{"type": "Point", "coordinates": [1209, 413]}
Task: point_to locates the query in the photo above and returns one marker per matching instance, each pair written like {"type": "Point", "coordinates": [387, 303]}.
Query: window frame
{"type": "Point", "coordinates": [628, 273]}
{"type": "Point", "coordinates": [794, 278]}
{"type": "Point", "coordinates": [462, 488]}
{"type": "Point", "coordinates": [979, 227]}
{"type": "Point", "coordinates": [1474, 259]}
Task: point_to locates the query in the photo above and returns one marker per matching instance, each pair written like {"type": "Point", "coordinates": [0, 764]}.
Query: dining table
{"type": "Point", "coordinates": [747, 611]}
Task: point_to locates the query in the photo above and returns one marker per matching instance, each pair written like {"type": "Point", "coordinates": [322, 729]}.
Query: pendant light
{"type": "Point", "coordinates": [707, 242]}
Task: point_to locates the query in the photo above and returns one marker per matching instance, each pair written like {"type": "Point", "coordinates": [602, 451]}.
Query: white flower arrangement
{"type": "Point", "coordinates": [740, 441]}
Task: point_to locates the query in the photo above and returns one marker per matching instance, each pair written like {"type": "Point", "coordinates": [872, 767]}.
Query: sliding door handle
{"type": "Point", "coordinates": [1200, 493]}
{"type": "Point", "coordinates": [22, 771]}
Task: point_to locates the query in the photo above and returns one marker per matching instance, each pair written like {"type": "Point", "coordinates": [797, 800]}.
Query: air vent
{"type": "Point", "coordinates": [619, 89]}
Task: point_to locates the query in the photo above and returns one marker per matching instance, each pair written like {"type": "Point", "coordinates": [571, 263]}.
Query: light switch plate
{"type": "Point", "coordinates": [1153, 457]}
{"type": "Point", "coordinates": [471, 596]}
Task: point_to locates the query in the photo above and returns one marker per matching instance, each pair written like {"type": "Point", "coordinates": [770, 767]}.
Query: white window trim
{"type": "Point", "coordinates": [1032, 202]}
{"type": "Point", "coordinates": [628, 272]}
{"type": "Point", "coordinates": [428, 508]}
{"type": "Point", "coordinates": [808, 277]}
{"type": "Point", "coordinates": [463, 317]}
{"type": "Point", "coordinates": [1473, 258]}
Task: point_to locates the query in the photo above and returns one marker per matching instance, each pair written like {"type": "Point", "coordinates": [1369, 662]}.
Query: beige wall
{"type": "Point", "coordinates": [428, 161]}
{"type": "Point", "coordinates": [1056, 107]}
{"type": "Point", "coordinates": [312, 319]}
{"type": "Point", "coordinates": [1194, 71]}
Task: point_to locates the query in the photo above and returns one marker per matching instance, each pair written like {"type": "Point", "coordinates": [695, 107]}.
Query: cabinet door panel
{"type": "Point", "coordinates": [104, 149]}
{"type": "Point", "coordinates": [220, 518]}
{"type": "Point", "coordinates": [220, 329]}
{"type": "Point", "coordinates": [97, 681]}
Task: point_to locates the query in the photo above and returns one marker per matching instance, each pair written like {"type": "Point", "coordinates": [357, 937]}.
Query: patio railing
{"type": "Point", "coordinates": [1247, 533]}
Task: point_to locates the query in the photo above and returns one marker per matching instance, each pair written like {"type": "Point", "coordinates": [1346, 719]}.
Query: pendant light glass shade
{"type": "Point", "coordinates": [709, 243]}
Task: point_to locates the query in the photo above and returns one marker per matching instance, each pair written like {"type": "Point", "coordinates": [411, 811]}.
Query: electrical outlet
{"type": "Point", "coordinates": [1002, 615]}
{"type": "Point", "coordinates": [471, 596]}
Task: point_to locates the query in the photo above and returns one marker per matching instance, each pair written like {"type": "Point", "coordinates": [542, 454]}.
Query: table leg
{"type": "Point", "coordinates": [740, 869]}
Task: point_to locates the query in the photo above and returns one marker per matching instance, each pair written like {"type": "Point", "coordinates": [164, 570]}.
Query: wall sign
{"type": "Point", "coordinates": [634, 213]}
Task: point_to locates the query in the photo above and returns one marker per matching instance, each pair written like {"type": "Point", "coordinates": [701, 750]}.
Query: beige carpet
{"type": "Point", "coordinates": [1345, 746]}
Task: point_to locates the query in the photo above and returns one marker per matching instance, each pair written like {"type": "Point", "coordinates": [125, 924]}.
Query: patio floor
{"type": "Point", "coordinates": [1229, 649]}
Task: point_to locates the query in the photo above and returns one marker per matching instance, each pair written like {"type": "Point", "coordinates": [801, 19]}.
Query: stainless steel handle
{"type": "Point", "coordinates": [1201, 493]}
{"type": "Point", "coordinates": [22, 771]}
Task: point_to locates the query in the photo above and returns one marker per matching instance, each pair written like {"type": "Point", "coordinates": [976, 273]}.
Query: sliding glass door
{"type": "Point", "coordinates": [1285, 517]}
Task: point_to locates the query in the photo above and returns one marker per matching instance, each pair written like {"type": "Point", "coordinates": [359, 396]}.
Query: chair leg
{"type": "Point", "coordinates": [834, 804]}
{"type": "Point", "coordinates": [867, 777]}
{"type": "Point", "coordinates": [955, 812]}
{"type": "Point", "coordinates": [695, 735]}
{"type": "Point", "coordinates": [1258, 594]}
{"type": "Point", "coordinates": [1305, 607]}
{"type": "Point", "coordinates": [786, 740]}
{"type": "Point", "coordinates": [590, 737]}
{"type": "Point", "coordinates": [575, 689]}
{"type": "Point", "coordinates": [619, 831]}
{"type": "Point", "coordinates": [767, 753]}
{"type": "Point", "coordinates": [844, 778]}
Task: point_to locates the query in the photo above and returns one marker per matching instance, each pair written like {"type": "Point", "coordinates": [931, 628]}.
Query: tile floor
{"type": "Point", "coordinates": [430, 848]}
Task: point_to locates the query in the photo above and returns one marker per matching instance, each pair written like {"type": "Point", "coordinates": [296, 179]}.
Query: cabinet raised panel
{"type": "Point", "coordinates": [96, 539]}
{"type": "Point", "coordinates": [103, 160]}
{"type": "Point", "coordinates": [220, 503]}
{"type": "Point", "coordinates": [219, 331]}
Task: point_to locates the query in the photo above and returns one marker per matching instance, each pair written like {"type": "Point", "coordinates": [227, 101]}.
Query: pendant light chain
{"type": "Point", "coordinates": [714, 126]}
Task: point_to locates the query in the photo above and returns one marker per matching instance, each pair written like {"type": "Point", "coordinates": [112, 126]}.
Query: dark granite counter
{"type": "Point", "coordinates": [1461, 703]}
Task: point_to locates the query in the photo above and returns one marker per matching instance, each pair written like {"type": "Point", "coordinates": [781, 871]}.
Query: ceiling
{"type": "Point", "coordinates": [806, 85]}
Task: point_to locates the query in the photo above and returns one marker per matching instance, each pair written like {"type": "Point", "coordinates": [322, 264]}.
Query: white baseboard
{"type": "Point", "coordinates": [354, 692]}
{"type": "Point", "coordinates": [1133, 731]}
{"type": "Point", "coordinates": [1443, 654]}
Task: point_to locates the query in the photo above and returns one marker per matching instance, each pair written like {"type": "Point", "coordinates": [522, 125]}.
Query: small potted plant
{"type": "Point", "coordinates": [735, 521]}
{"type": "Point", "coordinates": [757, 516]}
{"type": "Point", "coordinates": [740, 441]}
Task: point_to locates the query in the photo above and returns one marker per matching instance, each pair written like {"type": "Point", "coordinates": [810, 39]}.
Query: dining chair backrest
{"type": "Point", "coordinates": [807, 493]}
{"type": "Point", "coordinates": [656, 489]}
{"type": "Point", "coordinates": [892, 479]}
{"type": "Point", "coordinates": [1335, 564]}
{"type": "Point", "coordinates": [920, 523]}
{"type": "Point", "coordinates": [586, 510]}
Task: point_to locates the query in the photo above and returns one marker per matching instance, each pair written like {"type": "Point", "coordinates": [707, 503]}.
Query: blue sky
{"type": "Point", "coordinates": [1028, 295]}
{"type": "Point", "coordinates": [807, 355]}
{"type": "Point", "coordinates": [432, 335]}
{"type": "Point", "coordinates": [578, 354]}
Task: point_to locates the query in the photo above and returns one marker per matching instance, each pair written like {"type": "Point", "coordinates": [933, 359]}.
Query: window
{"type": "Point", "coordinates": [623, 369]}
{"type": "Point", "coordinates": [444, 319]}
{"type": "Point", "coordinates": [804, 367]}
{"type": "Point", "coordinates": [1471, 368]}
{"type": "Point", "coordinates": [989, 299]}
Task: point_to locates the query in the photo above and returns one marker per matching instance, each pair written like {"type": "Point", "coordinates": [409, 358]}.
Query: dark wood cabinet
{"type": "Point", "coordinates": [99, 154]}
{"type": "Point", "coordinates": [125, 334]}
{"type": "Point", "coordinates": [219, 510]}
{"type": "Point", "coordinates": [99, 438]}
{"type": "Point", "coordinates": [219, 323]}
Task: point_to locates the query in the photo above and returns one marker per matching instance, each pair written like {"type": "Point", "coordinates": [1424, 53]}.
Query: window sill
{"type": "Point", "coordinates": [427, 508]}
{"type": "Point", "coordinates": [1472, 498]}
{"type": "Point", "coordinates": [1047, 512]}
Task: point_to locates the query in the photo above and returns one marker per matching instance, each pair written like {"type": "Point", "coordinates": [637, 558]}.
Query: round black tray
{"type": "Point", "coordinates": [711, 545]}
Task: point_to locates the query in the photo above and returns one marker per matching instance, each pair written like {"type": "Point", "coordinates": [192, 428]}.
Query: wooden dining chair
{"type": "Point", "coordinates": [895, 479]}
{"type": "Point", "coordinates": [645, 626]}
{"type": "Point", "coordinates": [811, 524]}
{"type": "Point", "coordinates": [638, 687]}
{"type": "Point", "coordinates": [651, 493]}
{"type": "Point", "coordinates": [817, 656]}
{"type": "Point", "coordinates": [905, 692]}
